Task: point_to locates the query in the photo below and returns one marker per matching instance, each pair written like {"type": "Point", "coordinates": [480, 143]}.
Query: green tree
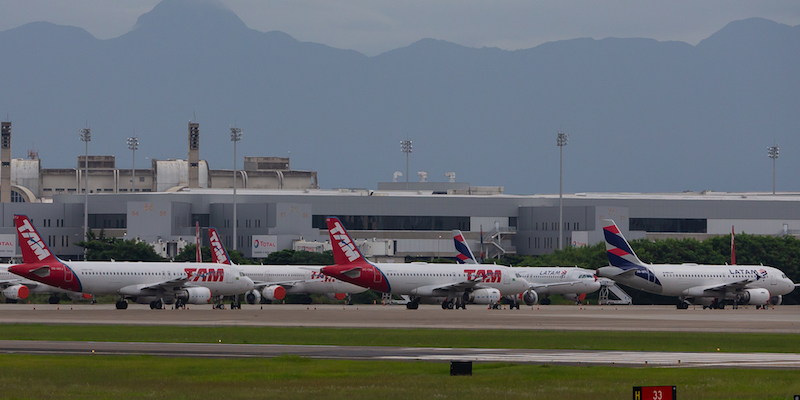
{"type": "Point", "coordinates": [292, 257]}
{"type": "Point", "coordinates": [102, 248]}
{"type": "Point", "coordinates": [187, 254]}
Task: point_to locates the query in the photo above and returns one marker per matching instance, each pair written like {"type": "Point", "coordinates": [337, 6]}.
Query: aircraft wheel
{"type": "Point", "coordinates": [54, 299]}
{"type": "Point", "coordinates": [444, 305]}
{"type": "Point", "coordinates": [450, 305]}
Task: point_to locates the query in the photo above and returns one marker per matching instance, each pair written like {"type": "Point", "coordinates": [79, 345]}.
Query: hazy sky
{"type": "Point", "coordinates": [375, 26]}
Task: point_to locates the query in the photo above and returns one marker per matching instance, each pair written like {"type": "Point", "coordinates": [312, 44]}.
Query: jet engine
{"type": "Point", "coordinates": [755, 296]}
{"type": "Point", "coordinates": [195, 295]}
{"type": "Point", "coordinates": [483, 296]}
{"type": "Point", "coordinates": [530, 297]}
{"type": "Point", "coordinates": [274, 292]}
{"type": "Point", "coordinates": [253, 297]}
{"type": "Point", "coordinates": [16, 292]}
{"type": "Point", "coordinates": [776, 300]}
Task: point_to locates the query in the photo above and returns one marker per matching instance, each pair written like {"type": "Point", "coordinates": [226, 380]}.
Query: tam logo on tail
{"type": "Point", "coordinates": [345, 243]}
{"type": "Point", "coordinates": [32, 240]}
{"type": "Point", "coordinates": [218, 253]}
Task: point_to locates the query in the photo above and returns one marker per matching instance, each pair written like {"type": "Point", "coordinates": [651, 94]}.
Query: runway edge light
{"type": "Point", "coordinates": [654, 393]}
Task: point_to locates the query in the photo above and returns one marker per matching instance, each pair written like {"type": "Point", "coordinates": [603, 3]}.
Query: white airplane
{"type": "Point", "coordinates": [154, 282]}
{"type": "Point", "coordinates": [709, 285]}
{"type": "Point", "coordinates": [457, 284]}
{"type": "Point", "coordinates": [572, 283]}
{"type": "Point", "coordinates": [274, 282]}
{"type": "Point", "coordinates": [15, 288]}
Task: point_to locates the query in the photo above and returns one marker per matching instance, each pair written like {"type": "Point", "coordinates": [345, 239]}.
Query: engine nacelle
{"type": "Point", "coordinates": [756, 297]}
{"type": "Point", "coordinates": [253, 297]}
{"type": "Point", "coordinates": [530, 297]}
{"type": "Point", "coordinates": [195, 295]}
{"type": "Point", "coordinates": [336, 296]}
{"type": "Point", "coordinates": [16, 292]}
{"type": "Point", "coordinates": [274, 292]}
{"type": "Point", "coordinates": [776, 300]}
{"type": "Point", "coordinates": [483, 296]}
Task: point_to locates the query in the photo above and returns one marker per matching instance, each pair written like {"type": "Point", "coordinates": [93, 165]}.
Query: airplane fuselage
{"type": "Point", "coordinates": [681, 279]}
{"type": "Point", "coordinates": [554, 280]}
{"type": "Point", "coordinates": [129, 278]}
{"type": "Point", "coordinates": [423, 280]}
{"type": "Point", "coordinates": [298, 280]}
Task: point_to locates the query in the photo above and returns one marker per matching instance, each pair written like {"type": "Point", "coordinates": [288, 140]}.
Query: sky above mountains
{"type": "Point", "coordinates": [643, 115]}
{"type": "Point", "coordinates": [372, 27]}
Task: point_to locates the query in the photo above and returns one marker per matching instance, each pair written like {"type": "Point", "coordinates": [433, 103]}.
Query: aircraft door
{"type": "Point", "coordinates": [68, 275]}
{"type": "Point", "coordinates": [377, 277]}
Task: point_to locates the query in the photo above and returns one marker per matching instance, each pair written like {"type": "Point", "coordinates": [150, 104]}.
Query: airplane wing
{"type": "Point", "coordinates": [451, 287]}
{"type": "Point", "coordinates": [288, 284]}
{"type": "Point", "coordinates": [731, 286]}
{"type": "Point", "coordinates": [535, 286]}
{"type": "Point", "coordinates": [167, 285]}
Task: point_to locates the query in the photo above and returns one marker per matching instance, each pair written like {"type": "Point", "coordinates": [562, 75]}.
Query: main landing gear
{"type": "Point", "coordinates": [453, 303]}
{"type": "Point", "coordinates": [156, 304]}
{"type": "Point", "coordinates": [122, 304]}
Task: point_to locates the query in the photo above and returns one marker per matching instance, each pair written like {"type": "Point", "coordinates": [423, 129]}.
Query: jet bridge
{"type": "Point", "coordinates": [612, 294]}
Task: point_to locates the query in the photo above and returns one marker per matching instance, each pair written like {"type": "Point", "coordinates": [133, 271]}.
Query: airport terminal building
{"type": "Point", "coordinates": [279, 208]}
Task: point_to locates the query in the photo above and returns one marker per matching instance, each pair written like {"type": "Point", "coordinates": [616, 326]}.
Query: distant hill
{"type": "Point", "coordinates": [642, 115]}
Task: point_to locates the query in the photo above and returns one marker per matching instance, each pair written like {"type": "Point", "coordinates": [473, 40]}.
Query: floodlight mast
{"type": "Point", "coordinates": [561, 141]}
{"type": "Point", "coordinates": [86, 137]}
{"type": "Point", "coordinates": [133, 144]}
{"type": "Point", "coordinates": [236, 135]}
{"type": "Point", "coordinates": [772, 152]}
{"type": "Point", "coordinates": [406, 147]}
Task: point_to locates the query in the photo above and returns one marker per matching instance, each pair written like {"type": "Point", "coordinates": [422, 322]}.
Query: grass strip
{"type": "Point", "coordinates": [515, 339]}
{"type": "Point", "coordinates": [136, 377]}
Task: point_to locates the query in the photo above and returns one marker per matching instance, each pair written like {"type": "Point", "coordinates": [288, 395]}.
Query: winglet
{"type": "Point", "coordinates": [34, 249]}
{"type": "Point", "coordinates": [345, 250]}
{"type": "Point", "coordinates": [218, 253]}
{"type": "Point", "coordinates": [619, 252]}
{"type": "Point", "coordinates": [465, 255]}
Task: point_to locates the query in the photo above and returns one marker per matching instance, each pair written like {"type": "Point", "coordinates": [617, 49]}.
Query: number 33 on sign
{"type": "Point", "coordinates": [654, 393]}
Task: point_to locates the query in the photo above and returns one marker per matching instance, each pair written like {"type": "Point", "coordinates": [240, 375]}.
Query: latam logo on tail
{"type": "Point", "coordinates": [35, 243]}
{"type": "Point", "coordinates": [216, 247]}
{"type": "Point", "coordinates": [348, 247]}
{"type": "Point", "coordinates": [488, 275]}
{"type": "Point", "coordinates": [205, 274]}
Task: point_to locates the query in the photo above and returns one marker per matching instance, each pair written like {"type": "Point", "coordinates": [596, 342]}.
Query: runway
{"type": "Point", "coordinates": [780, 319]}
{"type": "Point", "coordinates": [525, 356]}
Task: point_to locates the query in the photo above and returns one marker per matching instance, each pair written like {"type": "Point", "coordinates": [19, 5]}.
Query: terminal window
{"type": "Point", "coordinates": [396, 223]}
{"type": "Point", "coordinates": [669, 225]}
